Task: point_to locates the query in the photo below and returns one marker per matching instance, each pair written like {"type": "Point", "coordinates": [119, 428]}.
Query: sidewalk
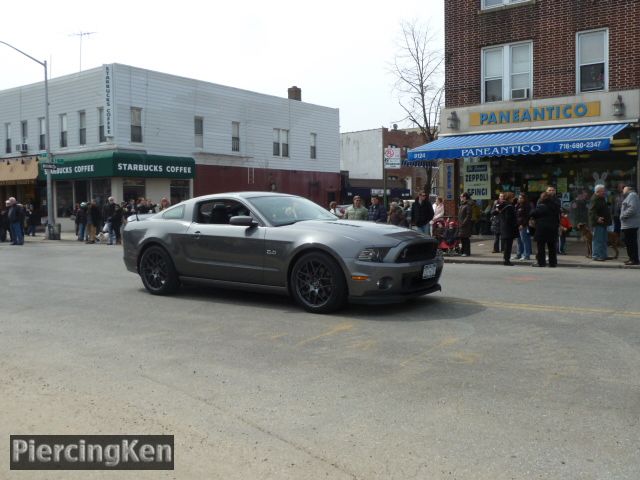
{"type": "Point", "coordinates": [481, 247]}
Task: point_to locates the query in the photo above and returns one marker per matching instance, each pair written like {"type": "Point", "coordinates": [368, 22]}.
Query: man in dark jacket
{"type": "Point", "coordinates": [4, 221]}
{"type": "Point", "coordinates": [422, 213]}
{"type": "Point", "coordinates": [599, 220]}
{"type": "Point", "coordinates": [547, 226]}
{"type": "Point", "coordinates": [16, 222]}
{"type": "Point", "coordinates": [377, 212]}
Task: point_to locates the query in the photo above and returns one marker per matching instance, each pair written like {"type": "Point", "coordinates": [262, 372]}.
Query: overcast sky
{"type": "Point", "coordinates": [337, 52]}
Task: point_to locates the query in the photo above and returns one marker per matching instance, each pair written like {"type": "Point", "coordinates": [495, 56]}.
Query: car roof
{"type": "Point", "coordinates": [247, 195]}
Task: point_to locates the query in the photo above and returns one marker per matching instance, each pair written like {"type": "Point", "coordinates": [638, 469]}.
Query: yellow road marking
{"type": "Point", "coordinates": [341, 327]}
{"type": "Point", "coordinates": [545, 308]}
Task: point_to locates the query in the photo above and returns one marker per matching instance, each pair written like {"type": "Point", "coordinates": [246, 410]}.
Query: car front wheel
{"type": "Point", "coordinates": [317, 283]}
{"type": "Point", "coordinates": [158, 274]}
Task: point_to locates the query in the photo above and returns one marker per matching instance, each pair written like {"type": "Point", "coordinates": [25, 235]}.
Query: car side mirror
{"type": "Point", "coordinates": [243, 221]}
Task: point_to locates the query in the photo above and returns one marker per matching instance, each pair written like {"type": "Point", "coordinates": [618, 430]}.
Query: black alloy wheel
{"type": "Point", "coordinates": [317, 283]}
{"type": "Point", "coordinates": [158, 274]}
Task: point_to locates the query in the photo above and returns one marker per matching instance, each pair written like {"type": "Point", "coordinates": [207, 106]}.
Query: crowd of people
{"type": "Point", "coordinates": [419, 214]}
{"type": "Point", "coordinates": [548, 224]}
{"type": "Point", "coordinates": [17, 220]}
{"type": "Point", "coordinates": [544, 223]}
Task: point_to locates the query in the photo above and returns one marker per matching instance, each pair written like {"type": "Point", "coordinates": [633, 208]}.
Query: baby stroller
{"type": "Point", "coordinates": [445, 230]}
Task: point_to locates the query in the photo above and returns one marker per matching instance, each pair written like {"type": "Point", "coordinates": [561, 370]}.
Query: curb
{"type": "Point", "coordinates": [560, 265]}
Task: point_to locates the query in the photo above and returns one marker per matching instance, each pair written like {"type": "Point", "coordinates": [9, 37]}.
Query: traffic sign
{"type": "Point", "coordinates": [58, 161]}
{"type": "Point", "coordinates": [49, 166]}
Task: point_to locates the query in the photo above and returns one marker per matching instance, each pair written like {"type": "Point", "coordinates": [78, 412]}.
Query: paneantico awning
{"type": "Point", "coordinates": [520, 142]}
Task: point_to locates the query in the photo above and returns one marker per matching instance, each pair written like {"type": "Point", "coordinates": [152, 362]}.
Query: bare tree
{"type": "Point", "coordinates": [419, 80]}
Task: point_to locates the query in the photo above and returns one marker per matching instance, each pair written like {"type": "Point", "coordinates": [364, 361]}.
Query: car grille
{"type": "Point", "coordinates": [417, 252]}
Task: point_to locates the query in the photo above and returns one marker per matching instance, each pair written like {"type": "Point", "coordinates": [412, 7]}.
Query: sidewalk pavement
{"type": "Point", "coordinates": [481, 247]}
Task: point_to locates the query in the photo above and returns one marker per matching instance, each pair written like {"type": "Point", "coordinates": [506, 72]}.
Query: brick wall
{"type": "Point", "coordinates": [552, 26]}
{"type": "Point", "coordinates": [402, 138]}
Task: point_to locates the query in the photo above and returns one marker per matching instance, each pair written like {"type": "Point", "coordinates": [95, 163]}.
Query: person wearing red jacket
{"type": "Point", "coordinates": [565, 229]}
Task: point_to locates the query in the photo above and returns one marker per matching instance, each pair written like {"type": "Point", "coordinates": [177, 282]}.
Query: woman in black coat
{"type": "Point", "coordinates": [508, 226]}
{"type": "Point", "coordinates": [547, 218]}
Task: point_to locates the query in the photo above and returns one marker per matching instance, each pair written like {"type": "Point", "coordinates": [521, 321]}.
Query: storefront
{"type": "Point", "coordinates": [19, 179]}
{"type": "Point", "coordinates": [123, 175]}
{"type": "Point", "coordinates": [572, 145]}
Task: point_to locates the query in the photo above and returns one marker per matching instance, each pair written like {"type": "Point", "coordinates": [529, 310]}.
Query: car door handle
{"type": "Point", "coordinates": [196, 235]}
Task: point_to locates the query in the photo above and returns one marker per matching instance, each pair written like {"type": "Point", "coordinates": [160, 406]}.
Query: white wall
{"type": "Point", "coordinates": [361, 154]}
{"type": "Point", "coordinates": [169, 104]}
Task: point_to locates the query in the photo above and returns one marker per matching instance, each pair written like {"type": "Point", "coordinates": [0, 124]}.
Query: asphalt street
{"type": "Point", "coordinates": [508, 373]}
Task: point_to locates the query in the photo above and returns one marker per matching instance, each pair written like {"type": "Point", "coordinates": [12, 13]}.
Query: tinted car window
{"type": "Point", "coordinates": [174, 213]}
{"type": "Point", "coordinates": [219, 211]}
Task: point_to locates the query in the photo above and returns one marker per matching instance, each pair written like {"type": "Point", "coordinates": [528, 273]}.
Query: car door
{"type": "Point", "coordinates": [216, 250]}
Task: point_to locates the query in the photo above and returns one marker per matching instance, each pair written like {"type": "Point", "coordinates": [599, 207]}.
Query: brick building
{"type": "Point", "coordinates": [361, 161]}
{"type": "Point", "coordinates": [539, 92]}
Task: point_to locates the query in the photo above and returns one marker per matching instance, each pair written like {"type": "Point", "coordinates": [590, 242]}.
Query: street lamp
{"type": "Point", "coordinates": [50, 217]}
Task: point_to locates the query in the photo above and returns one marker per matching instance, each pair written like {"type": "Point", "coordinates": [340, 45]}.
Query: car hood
{"type": "Point", "coordinates": [368, 233]}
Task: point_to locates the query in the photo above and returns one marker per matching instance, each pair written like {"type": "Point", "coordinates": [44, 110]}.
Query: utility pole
{"type": "Point", "coordinates": [80, 35]}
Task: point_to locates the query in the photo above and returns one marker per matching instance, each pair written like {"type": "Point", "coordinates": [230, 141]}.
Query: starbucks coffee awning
{"type": "Point", "coordinates": [520, 142]}
{"type": "Point", "coordinates": [121, 164]}
{"type": "Point", "coordinates": [18, 170]}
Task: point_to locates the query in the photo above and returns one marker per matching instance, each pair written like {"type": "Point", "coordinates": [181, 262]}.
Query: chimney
{"type": "Point", "coordinates": [295, 93]}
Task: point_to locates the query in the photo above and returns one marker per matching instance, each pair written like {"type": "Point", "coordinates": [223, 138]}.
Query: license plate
{"type": "Point", "coordinates": [428, 271]}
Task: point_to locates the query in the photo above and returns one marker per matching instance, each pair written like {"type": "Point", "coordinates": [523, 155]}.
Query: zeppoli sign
{"type": "Point", "coordinates": [535, 114]}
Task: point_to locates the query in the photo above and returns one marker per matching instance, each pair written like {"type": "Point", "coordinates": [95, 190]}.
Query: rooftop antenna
{"type": "Point", "coordinates": [80, 35]}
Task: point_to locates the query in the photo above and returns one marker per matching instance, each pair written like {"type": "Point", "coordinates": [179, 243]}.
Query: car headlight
{"type": "Point", "coordinates": [373, 254]}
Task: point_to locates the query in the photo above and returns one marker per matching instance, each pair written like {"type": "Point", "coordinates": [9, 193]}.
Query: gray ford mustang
{"type": "Point", "coordinates": [280, 243]}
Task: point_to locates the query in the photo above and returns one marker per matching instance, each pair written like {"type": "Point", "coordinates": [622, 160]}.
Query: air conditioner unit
{"type": "Point", "coordinates": [22, 147]}
{"type": "Point", "coordinates": [520, 94]}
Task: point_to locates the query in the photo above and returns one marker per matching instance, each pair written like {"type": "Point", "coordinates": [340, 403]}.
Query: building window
{"type": "Point", "coordinates": [280, 142]}
{"type": "Point", "coordinates": [63, 130]}
{"type": "Point", "coordinates": [24, 130]}
{"type": "Point", "coordinates": [235, 136]}
{"type": "Point", "coordinates": [101, 137]}
{"type": "Point", "coordinates": [198, 129]}
{"type": "Point", "coordinates": [592, 60]}
{"type": "Point", "coordinates": [507, 72]}
{"type": "Point", "coordinates": [42, 144]}
{"type": "Point", "coordinates": [82, 132]}
{"type": "Point", "coordinates": [7, 136]}
{"type": "Point", "coordinates": [276, 142]}
{"type": "Point", "coordinates": [133, 189]}
{"type": "Point", "coordinates": [136, 125]}
{"type": "Point", "coordinates": [312, 145]}
{"type": "Point", "coordinates": [487, 4]}
{"type": "Point", "coordinates": [179, 191]}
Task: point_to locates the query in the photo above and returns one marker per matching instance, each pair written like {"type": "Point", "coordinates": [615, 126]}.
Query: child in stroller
{"type": "Point", "coordinates": [445, 230]}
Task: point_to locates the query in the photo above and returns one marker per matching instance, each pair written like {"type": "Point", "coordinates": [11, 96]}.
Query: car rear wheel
{"type": "Point", "coordinates": [158, 274]}
{"type": "Point", "coordinates": [317, 283]}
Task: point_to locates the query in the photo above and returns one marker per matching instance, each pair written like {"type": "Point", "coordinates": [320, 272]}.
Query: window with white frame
{"type": "Point", "coordinates": [592, 60]}
{"type": "Point", "coordinates": [82, 130]}
{"type": "Point", "coordinates": [136, 125]}
{"type": "Point", "coordinates": [198, 130]}
{"type": "Point", "coordinates": [7, 136]}
{"type": "Point", "coordinates": [280, 142]}
{"type": "Point", "coordinates": [24, 130]}
{"type": "Point", "coordinates": [63, 130]}
{"type": "Point", "coordinates": [101, 136]}
{"type": "Point", "coordinates": [312, 143]}
{"type": "Point", "coordinates": [506, 72]}
{"type": "Point", "coordinates": [487, 4]}
{"type": "Point", "coordinates": [235, 136]}
{"type": "Point", "coordinates": [42, 144]}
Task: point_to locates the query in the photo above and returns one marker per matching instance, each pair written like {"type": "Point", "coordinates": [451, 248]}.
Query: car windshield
{"type": "Point", "coordinates": [285, 210]}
